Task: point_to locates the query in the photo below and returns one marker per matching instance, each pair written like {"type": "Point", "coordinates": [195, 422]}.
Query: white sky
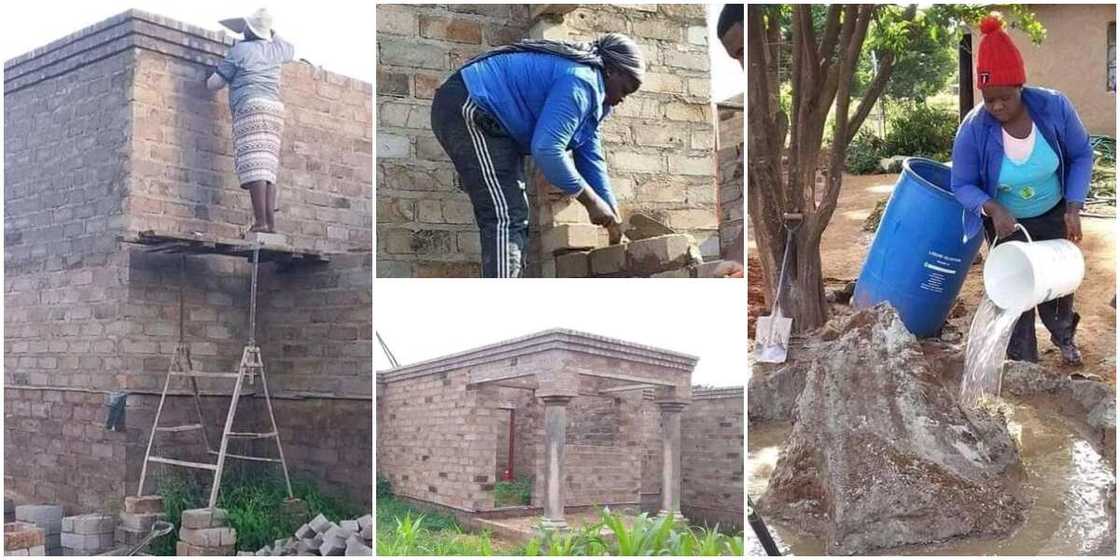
{"type": "Point", "coordinates": [339, 36]}
{"type": "Point", "coordinates": [422, 319]}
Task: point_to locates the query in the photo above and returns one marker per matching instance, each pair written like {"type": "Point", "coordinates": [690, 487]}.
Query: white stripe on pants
{"type": "Point", "coordinates": [497, 196]}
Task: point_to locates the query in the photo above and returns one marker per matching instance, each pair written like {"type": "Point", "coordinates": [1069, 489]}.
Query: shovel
{"type": "Point", "coordinates": [772, 331]}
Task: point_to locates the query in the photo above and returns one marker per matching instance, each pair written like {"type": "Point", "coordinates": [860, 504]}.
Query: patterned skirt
{"type": "Point", "coordinates": [257, 129]}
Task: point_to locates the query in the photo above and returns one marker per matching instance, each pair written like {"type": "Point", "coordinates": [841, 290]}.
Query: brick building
{"type": "Point", "coordinates": [660, 143]}
{"type": "Point", "coordinates": [594, 421]}
{"type": "Point", "coordinates": [110, 132]}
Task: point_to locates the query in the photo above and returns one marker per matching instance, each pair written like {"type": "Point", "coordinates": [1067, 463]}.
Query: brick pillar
{"type": "Point", "coordinates": [671, 457]}
{"type": "Point", "coordinates": [555, 428]}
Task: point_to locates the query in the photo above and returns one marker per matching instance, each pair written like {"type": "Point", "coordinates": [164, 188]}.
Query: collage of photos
{"type": "Point", "coordinates": [474, 279]}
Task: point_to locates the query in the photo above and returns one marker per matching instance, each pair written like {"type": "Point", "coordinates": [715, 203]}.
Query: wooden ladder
{"type": "Point", "coordinates": [251, 367]}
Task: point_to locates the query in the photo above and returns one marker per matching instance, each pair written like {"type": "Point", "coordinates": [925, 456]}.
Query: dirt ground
{"type": "Point", "coordinates": [845, 245]}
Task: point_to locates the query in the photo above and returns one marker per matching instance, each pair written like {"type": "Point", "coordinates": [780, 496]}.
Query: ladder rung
{"type": "Point", "coordinates": [251, 435]}
{"type": "Point", "coordinates": [183, 428]}
{"type": "Point", "coordinates": [190, 464]}
{"type": "Point", "coordinates": [247, 457]}
{"type": "Point", "coordinates": [193, 373]}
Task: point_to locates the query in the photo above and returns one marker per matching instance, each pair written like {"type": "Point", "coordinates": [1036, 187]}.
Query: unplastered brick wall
{"type": "Point", "coordinates": [441, 426]}
{"type": "Point", "coordinates": [425, 224]}
{"type": "Point", "coordinates": [103, 138]}
{"type": "Point", "coordinates": [712, 457]}
{"type": "Point", "coordinates": [730, 157]}
{"type": "Point", "coordinates": [660, 142]}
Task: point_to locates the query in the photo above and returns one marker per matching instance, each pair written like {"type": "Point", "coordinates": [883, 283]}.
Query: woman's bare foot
{"type": "Point", "coordinates": [260, 228]}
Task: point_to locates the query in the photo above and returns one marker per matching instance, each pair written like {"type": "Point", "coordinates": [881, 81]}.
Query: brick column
{"type": "Point", "coordinates": [555, 428]}
{"type": "Point", "coordinates": [671, 457]}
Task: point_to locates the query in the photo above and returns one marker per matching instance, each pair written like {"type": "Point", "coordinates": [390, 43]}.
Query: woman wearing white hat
{"type": "Point", "coordinates": [252, 71]}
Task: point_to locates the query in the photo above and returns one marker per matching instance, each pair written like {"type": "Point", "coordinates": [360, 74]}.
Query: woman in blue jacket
{"type": "Point", "coordinates": [538, 98]}
{"type": "Point", "coordinates": [1022, 157]}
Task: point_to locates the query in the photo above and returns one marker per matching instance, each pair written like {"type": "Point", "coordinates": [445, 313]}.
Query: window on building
{"type": "Point", "coordinates": [1111, 54]}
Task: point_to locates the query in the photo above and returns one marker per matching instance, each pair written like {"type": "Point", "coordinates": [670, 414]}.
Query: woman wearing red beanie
{"type": "Point", "coordinates": [1022, 157]}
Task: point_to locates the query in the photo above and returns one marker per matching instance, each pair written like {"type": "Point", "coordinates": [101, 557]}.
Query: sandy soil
{"type": "Point", "coordinates": [845, 245]}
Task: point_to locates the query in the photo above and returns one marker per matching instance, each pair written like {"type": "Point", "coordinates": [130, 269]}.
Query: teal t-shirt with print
{"type": "Point", "coordinates": [1030, 188]}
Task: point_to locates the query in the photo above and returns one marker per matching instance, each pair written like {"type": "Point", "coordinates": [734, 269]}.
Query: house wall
{"type": "Point", "coordinates": [1072, 59]}
{"type": "Point", "coordinates": [730, 157]}
{"type": "Point", "coordinates": [108, 132]}
{"type": "Point", "coordinates": [712, 457]}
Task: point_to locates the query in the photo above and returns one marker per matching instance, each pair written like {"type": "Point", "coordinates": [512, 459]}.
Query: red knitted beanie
{"type": "Point", "coordinates": [998, 62]}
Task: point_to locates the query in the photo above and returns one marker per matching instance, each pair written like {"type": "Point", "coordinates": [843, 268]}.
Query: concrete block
{"type": "Point", "coordinates": [311, 544]}
{"type": "Point", "coordinates": [350, 526]}
{"type": "Point", "coordinates": [451, 29]}
{"type": "Point", "coordinates": [213, 537]}
{"type": "Point", "coordinates": [305, 532]}
{"type": "Point", "coordinates": [661, 254]}
{"type": "Point", "coordinates": [355, 546]}
{"type": "Point", "coordinates": [608, 261]}
{"type": "Point", "coordinates": [676, 273]}
{"type": "Point", "coordinates": [332, 546]}
{"type": "Point", "coordinates": [126, 536]}
{"type": "Point", "coordinates": [204, 518]}
{"type": "Point", "coordinates": [46, 517]}
{"type": "Point", "coordinates": [567, 237]}
{"type": "Point", "coordinates": [393, 146]}
{"type": "Point", "coordinates": [143, 504]}
{"type": "Point", "coordinates": [320, 524]}
{"type": "Point", "coordinates": [139, 521]}
{"type": "Point", "coordinates": [85, 542]}
{"type": "Point", "coordinates": [21, 535]}
{"type": "Point", "coordinates": [89, 524]}
{"type": "Point", "coordinates": [365, 521]}
{"type": "Point", "coordinates": [187, 549]}
{"type": "Point", "coordinates": [573, 265]}
{"type": "Point", "coordinates": [40, 550]}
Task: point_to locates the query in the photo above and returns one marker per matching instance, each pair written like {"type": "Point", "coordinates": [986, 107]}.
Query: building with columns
{"type": "Point", "coordinates": [592, 421]}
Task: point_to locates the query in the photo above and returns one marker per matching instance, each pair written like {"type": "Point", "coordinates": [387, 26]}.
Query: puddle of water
{"type": "Point", "coordinates": [985, 351]}
{"type": "Point", "coordinates": [1066, 484]}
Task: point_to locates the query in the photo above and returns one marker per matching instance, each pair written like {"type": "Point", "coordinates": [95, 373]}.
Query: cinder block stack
{"type": "Point", "coordinates": [88, 534]}
{"type": "Point", "coordinates": [23, 539]}
{"type": "Point", "coordinates": [140, 513]}
{"type": "Point", "coordinates": [321, 537]}
{"type": "Point", "coordinates": [49, 519]}
{"type": "Point", "coordinates": [206, 532]}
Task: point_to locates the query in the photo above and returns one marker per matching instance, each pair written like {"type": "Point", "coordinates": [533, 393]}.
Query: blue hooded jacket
{"type": "Point", "coordinates": [549, 105]}
{"type": "Point", "coordinates": [978, 152]}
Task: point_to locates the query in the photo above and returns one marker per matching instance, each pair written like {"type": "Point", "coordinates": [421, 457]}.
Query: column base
{"type": "Point", "coordinates": [553, 524]}
{"type": "Point", "coordinates": [677, 516]}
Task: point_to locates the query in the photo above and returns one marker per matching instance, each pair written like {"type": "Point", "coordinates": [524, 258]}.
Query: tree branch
{"type": "Point", "coordinates": [828, 39]}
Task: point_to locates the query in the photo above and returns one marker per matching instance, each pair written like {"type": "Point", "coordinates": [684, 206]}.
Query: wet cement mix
{"type": "Point", "coordinates": [879, 457]}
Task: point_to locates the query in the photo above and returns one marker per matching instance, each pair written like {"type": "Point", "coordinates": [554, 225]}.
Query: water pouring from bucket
{"type": "Point", "coordinates": [1017, 276]}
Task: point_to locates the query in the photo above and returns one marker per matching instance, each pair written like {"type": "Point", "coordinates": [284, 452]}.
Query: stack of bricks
{"type": "Point", "coordinates": [88, 534]}
{"type": "Point", "coordinates": [425, 224]}
{"type": "Point", "coordinates": [136, 521]}
{"type": "Point", "coordinates": [49, 519]}
{"type": "Point", "coordinates": [23, 539]}
{"type": "Point", "coordinates": [664, 256]}
{"type": "Point", "coordinates": [730, 156]}
{"type": "Point", "coordinates": [206, 532]}
{"type": "Point", "coordinates": [322, 537]}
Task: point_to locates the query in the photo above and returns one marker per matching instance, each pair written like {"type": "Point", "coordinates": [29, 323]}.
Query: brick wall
{"type": "Point", "coordinates": [425, 224]}
{"type": "Point", "coordinates": [712, 457]}
{"type": "Point", "coordinates": [660, 143]}
{"type": "Point", "coordinates": [730, 157]}
{"type": "Point", "coordinates": [108, 131]}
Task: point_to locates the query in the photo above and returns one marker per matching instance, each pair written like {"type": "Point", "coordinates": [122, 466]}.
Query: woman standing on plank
{"type": "Point", "coordinates": [252, 71]}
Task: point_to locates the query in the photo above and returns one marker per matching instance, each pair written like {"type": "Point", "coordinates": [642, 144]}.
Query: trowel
{"type": "Point", "coordinates": [772, 331]}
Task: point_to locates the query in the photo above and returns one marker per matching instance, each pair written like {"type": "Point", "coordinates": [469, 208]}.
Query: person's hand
{"type": "Point", "coordinates": [1073, 222]}
{"type": "Point", "coordinates": [1002, 220]}
{"type": "Point", "coordinates": [598, 210]}
{"type": "Point", "coordinates": [728, 269]}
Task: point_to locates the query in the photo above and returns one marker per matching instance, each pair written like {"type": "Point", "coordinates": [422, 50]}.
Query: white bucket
{"type": "Point", "coordinates": [1019, 275]}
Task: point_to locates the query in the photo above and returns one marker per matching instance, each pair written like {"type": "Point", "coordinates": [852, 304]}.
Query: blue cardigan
{"type": "Point", "coordinates": [549, 105]}
{"type": "Point", "coordinates": [978, 152]}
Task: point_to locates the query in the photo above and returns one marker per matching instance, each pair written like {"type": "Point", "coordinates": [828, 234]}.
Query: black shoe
{"type": "Point", "coordinates": [1071, 356]}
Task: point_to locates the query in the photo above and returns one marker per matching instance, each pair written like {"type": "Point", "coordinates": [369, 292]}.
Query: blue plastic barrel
{"type": "Point", "coordinates": [919, 258]}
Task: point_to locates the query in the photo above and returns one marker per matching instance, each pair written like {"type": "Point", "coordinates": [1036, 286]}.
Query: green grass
{"type": "Point", "coordinates": [255, 502]}
{"type": "Point", "coordinates": [404, 531]}
{"type": "Point", "coordinates": [513, 492]}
